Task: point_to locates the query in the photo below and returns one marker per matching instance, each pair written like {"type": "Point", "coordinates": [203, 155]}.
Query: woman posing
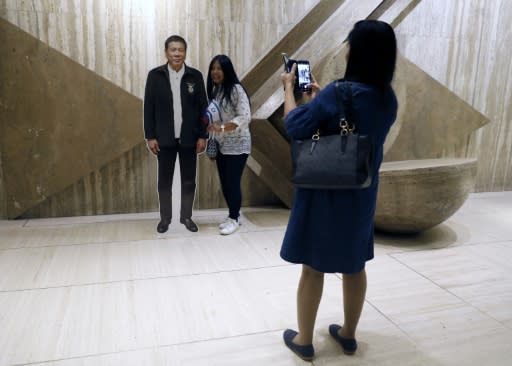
{"type": "Point", "coordinates": [232, 134]}
{"type": "Point", "coordinates": [331, 231]}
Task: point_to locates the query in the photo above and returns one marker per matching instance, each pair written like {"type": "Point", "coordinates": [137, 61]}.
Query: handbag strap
{"type": "Point", "coordinates": [347, 111]}
{"type": "Point", "coordinates": [346, 123]}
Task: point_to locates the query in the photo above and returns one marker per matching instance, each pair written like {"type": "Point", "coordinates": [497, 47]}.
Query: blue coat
{"type": "Point", "coordinates": [332, 230]}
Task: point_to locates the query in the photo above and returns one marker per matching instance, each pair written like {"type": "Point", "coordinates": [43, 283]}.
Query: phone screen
{"type": "Point", "coordinates": [304, 75]}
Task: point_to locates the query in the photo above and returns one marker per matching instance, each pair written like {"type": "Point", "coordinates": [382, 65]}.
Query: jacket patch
{"type": "Point", "coordinates": [191, 87]}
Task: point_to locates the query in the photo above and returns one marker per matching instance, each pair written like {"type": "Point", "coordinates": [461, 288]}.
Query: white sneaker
{"type": "Point", "coordinates": [230, 227]}
{"type": "Point", "coordinates": [223, 224]}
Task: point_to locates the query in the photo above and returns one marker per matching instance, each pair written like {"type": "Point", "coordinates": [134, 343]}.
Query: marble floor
{"type": "Point", "coordinates": [109, 290]}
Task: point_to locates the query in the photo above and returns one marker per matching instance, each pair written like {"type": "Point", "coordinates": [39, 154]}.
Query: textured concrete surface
{"type": "Point", "coordinates": [60, 120]}
{"type": "Point", "coordinates": [416, 195]}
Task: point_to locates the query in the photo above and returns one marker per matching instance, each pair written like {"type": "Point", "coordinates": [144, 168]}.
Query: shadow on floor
{"type": "Point", "coordinates": [441, 236]}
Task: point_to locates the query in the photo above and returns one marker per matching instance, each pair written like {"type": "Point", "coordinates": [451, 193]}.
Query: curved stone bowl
{"type": "Point", "coordinates": [416, 195]}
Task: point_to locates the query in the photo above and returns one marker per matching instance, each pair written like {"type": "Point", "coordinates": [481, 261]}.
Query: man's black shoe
{"type": "Point", "coordinates": [190, 225]}
{"type": "Point", "coordinates": [162, 226]}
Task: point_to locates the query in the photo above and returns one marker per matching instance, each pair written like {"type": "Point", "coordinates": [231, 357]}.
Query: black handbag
{"type": "Point", "coordinates": [213, 114]}
{"type": "Point", "coordinates": [339, 161]}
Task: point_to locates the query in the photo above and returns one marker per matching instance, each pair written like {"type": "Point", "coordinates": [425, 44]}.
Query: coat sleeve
{"type": "Point", "coordinates": [306, 119]}
{"type": "Point", "coordinates": [149, 109]}
{"type": "Point", "coordinates": [202, 123]}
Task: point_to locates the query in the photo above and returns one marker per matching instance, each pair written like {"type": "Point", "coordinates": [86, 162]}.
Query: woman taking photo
{"type": "Point", "coordinates": [331, 231]}
{"type": "Point", "coordinates": [232, 134]}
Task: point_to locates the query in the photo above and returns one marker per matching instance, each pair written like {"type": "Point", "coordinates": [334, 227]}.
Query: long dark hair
{"type": "Point", "coordinates": [230, 79]}
{"type": "Point", "coordinates": [372, 55]}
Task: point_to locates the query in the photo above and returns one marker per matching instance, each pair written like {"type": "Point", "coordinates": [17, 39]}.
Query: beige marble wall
{"type": "Point", "coordinates": [121, 41]}
{"type": "Point", "coordinates": [466, 45]}
{"type": "Point", "coordinates": [61, 120]}
{"type": "Point", "coordinates": [3, 204]}
{"type": "Point", "coordinates": [462, 44]}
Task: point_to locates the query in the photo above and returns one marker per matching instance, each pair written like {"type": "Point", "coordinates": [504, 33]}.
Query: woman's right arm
{"type": "Point", "coordinates": [288, 79]}
{"type": "Point", "coordinates": [304, 120]}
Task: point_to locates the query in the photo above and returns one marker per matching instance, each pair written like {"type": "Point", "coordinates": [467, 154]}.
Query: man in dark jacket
{"type": "Point", "coordinates": [174, 103]}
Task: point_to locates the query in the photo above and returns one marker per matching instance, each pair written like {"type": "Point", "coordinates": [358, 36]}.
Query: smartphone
{"type": "Point", "coordinates": [302, 73]}
{"type": "Point", "coordinates": [303, 76]}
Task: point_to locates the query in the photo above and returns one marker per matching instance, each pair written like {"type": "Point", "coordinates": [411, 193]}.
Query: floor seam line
{"type": "Point", "coordinates": [147, 279]}
{"type": "Point", "coordinates": [150, 348]}
{"type": "Point", "coordinates": [122, 242]}
{"type": "Point", "coordinates": [464, 301]}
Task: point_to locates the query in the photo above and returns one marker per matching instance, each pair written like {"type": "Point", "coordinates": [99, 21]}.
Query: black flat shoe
{"type": "Point", "coordinates": [307, 352]}
{"type": "Point", "coordinates": [190, 225]}
{"type": "Point", "coordinates": [349, 345]}
{"type": "Point", "coordinates": [162, 226]}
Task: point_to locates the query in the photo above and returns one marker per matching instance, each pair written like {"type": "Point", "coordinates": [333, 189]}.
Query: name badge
{"type": "Point", "coordinates": [191, 87]}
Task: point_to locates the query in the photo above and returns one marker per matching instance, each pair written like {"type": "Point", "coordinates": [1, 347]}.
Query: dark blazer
{"type": "Point", "coordinates": [158, 107]}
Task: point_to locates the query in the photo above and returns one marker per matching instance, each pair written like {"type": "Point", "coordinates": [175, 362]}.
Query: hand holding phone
{"type": "Point", "coordinates": [302, 73]}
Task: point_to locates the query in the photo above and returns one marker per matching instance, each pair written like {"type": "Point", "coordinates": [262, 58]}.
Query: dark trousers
{"type": "Point", "coordinates": [166, 163]}
{"type": "Point", "coordinates": [230, 168]}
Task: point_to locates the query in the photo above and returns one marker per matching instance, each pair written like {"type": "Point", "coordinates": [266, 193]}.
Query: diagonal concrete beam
{"type": "Point", "coordinates": [309, 39]}
{"type": "Point", "coordinates": [267, 160]}
{"type": "Point", "coordinates": [254, 79]}
{"type": "Point", "coordinates": [325, 41]}
{"type": "Point", "coordinates": [443, 130]}
{"type": "Point", "coordinates": [319, 38]}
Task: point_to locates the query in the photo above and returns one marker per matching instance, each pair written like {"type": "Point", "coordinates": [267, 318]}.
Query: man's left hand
{"type": "Point", "coordinates": [200, 146]}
